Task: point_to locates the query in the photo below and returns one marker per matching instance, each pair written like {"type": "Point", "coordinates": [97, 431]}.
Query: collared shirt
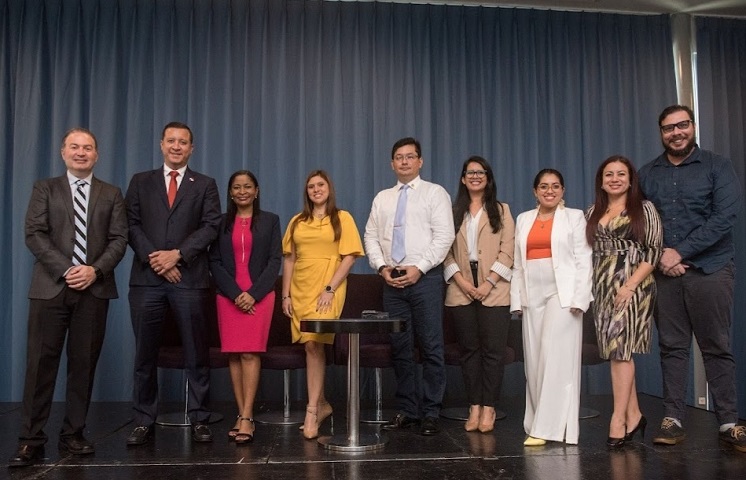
{"type": "Point", "coordinates": [86, 188]}
{"type": "Point", "coordinates": [167, 178]}
{"type": "Point", "coordinates": [698, 202]}
{"type": "Point", "coordinates": [429, 231]}
{"type": "Point", "coordinates": [472, 234]}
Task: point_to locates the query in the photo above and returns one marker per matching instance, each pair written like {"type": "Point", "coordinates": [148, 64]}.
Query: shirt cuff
{"type": "Point", "coordinates": [450, 271]}
{"type": "Point", "coordinates": [502, 270]}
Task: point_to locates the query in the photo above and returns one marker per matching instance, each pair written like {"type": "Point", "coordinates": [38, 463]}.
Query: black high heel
{"type": "Point", "coordinates": [640, 426]}
{"type": "Point", "coordinates": [612, 442]}
{"type": "Point", "coordinates": [244, 438]}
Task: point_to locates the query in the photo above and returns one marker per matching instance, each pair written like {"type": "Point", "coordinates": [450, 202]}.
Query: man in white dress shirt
{"type": "Point", "coordinates": [407, 237]}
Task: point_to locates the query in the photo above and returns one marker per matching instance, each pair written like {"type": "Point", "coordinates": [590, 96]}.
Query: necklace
{"type": "Point", "coordinates": [547, 218]}
{"type": "Point", "coordinates": [319, 215]}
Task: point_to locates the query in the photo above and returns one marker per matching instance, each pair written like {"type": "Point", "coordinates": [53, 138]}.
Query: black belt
{"type": "Point", "coordinates": [473, 265]}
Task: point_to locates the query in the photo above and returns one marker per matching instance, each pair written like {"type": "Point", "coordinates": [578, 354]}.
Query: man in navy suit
{"type": "Point", "coordinates": [69, 293]}
{"type": "Point", "coordinates": [173, 217]}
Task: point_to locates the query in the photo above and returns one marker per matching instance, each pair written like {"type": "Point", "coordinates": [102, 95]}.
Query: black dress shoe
{"type": "Point", "coordinates": [76, 444]}
{"type": "Point", "coordinates": [26, 455]}
{"type": "Point", "coordinates": [430, 426]}
{"type": "Point", "coordinates": [400, 421]}
{"type": "Point", "coordinates": [140, 435]}
{"type": "Point", "coordinates": [201, 433]}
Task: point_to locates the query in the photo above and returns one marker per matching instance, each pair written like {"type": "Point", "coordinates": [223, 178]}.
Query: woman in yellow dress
{"type": "Point", "coordinates": [320, 246]}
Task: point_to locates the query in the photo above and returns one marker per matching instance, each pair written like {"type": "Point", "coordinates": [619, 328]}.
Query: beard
{"type": "Point", "coordinates": [682, 152]}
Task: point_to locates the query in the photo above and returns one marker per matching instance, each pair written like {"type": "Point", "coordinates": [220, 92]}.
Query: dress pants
{"type": "Point", "coordinates": [482, 333]}
{"type": "Point", "coordinates": [552, 343]}
{"type": "Point", "coordinates": [700, 304]}
{"type": "Point", "coordinates": [80, 318]}
{"type": "Point", "coordinates": [148, 307]}
{"type": "Point", "coordinates": [421, 306]}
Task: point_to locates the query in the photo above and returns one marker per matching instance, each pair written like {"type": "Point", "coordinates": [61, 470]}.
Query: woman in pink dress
{"type": "Point", "coordinates": [245, 261]}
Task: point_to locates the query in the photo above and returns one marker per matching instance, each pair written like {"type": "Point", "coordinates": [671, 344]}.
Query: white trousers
{"type": "Point", "coordinates": [552, 343]}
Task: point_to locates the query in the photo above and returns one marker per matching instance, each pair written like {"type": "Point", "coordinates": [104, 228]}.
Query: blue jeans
{"type": "Point", "coordinates": [421, 305]}
{"type": "Point", "coordinates": [699, 304]}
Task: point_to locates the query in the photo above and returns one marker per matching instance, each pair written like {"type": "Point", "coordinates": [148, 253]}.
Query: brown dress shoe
{"type": "Point", "coordinates": [76, 444]}
{"type": "Point", "coordinates": [26, 455]}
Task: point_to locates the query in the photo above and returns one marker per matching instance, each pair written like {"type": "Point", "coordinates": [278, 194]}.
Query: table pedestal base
{"type": "Point", "coordinates": [366, 442]}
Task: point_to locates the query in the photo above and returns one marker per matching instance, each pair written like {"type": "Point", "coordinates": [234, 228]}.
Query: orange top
{"type": "Point", "coordinates": [539, 241]}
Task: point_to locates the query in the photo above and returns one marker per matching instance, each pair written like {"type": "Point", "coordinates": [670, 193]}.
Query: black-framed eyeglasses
{"type": "Point", "coordinates": [682, 125]}
{"type": "Point", "coordinates": [475, 173]}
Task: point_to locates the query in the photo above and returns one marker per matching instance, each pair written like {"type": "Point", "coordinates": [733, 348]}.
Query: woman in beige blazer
{"type": "Point", "coordinates": [478, 271]}
{"type": "Point", "coordinates": [551, 288]}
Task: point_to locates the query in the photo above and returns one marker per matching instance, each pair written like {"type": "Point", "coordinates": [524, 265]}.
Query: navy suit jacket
{"type": "Point", "coordinates": [50, 234]}
{"type": "Point", "coordinates": [190, 225]}
{"type": "Point", "coordinates": [264, 265]}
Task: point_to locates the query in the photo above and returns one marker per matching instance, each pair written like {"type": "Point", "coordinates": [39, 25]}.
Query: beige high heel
{"type": "Point", "coordinates": [472, 423]}
{"type": "Point", "coordinates": [311, 423]}
{"type": "Point", "coordinates": [487, 419]}
{"type": "Point", "coordinates": [324, 411]}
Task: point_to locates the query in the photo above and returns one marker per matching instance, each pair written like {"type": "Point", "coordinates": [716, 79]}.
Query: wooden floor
{"type": "Point", "coordinates": [280, 452]}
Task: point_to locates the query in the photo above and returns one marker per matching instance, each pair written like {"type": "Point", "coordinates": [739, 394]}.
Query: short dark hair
{"type": "Point", "coordinates": [672, 109]}
{"type": "Point", "coordinates": [406, 141]}
{"type": "Point", "coordinates": [181, 125]}
{"type": "Point", "coordinates": [80, 130]}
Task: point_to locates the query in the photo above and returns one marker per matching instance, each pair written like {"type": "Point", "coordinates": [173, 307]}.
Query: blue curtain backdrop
{"type": "Point", "coordinates": [721, 66]}
{"type": "Point", "coordinates": [282, 87]}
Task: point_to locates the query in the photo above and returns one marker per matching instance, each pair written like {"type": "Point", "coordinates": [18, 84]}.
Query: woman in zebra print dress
{"type": "Point", "coordinates": [626, 235]}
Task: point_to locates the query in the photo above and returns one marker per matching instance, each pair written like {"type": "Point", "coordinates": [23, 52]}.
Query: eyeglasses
{"type": "Point", "coordinates": [410, 157]}
{"type": "Point", "coordinates": [683, 125]}
{"type": "Point", "coordinates": [543, 187]}
{"type": "Point", "coordinates": [475, 173]}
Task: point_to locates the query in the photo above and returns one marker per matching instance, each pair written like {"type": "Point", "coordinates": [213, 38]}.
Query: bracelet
{"type": "Point", "coordinates": [492, 282]}
{"type": "Point", "coordinates": [286, 297]}
{"type": "Point", "coordinates": [630, 289]}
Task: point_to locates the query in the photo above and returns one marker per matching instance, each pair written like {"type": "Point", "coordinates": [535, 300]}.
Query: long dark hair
{"type": "Point", "coordinates": [633, 206]}
{"type": "Point", "coordinates": [232, 210]}
{"type": "Point", "coordinates": [331, 205]}
{"type": "Point", "coordinates": [489, 197]}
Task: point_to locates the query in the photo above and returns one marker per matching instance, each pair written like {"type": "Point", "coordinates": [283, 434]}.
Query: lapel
{"type": "Point", "coordinates": [186, 183]}
{"type": "Point", "coordinates": [159, 185]}
{"type": "Point", "coordinates": [528, 221]}
{"type": "Point", "coordinates": [483, 221]}
{"type": "Point", "coordinates": [67, 197]}
{"type": "Point", "coordinates": [95, 192]}
{"type": "Point", "coordinates": [559, 229]}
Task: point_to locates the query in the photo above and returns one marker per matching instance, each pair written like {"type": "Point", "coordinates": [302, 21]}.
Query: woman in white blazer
{"type": "Point", "coordinates": [551, 288]}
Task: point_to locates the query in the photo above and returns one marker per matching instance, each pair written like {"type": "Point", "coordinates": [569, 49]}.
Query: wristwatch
{"type": "Point", "coordinates": [329, 289]}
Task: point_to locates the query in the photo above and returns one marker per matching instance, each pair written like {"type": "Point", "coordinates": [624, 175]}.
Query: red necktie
{"type": "Point", "coordinates": [172, 188]}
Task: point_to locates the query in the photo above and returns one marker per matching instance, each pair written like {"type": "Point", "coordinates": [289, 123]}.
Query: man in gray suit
{"type": "Point", "coordinates": [71, 284]}
{"type": "Point", "coordinates": [173, 215]}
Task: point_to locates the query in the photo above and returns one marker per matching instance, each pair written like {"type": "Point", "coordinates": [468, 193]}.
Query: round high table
{"type": "Point", "coordinates": [353, 440]}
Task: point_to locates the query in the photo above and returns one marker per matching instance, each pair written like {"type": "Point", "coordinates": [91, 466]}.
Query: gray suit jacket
{"type": "Point", "coordinates": [50, 233]}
